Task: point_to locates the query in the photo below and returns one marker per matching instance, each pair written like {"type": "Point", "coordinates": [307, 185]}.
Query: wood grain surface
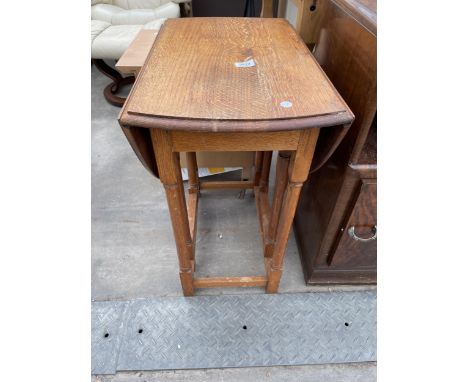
{"type": "Point", "coordinates": [279, 140]}
{"type": "Point", "coordinates": [363, 11]}
{"type": "Point", "coordinates": [191, 73]}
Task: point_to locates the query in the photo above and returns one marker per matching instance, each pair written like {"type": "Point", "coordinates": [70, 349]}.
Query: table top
{"type": "Point", "coordinates": [232, 74]}
{"type": "Point", "coordinates": [134, 57]}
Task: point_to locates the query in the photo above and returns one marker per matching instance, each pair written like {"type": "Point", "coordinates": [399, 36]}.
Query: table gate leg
{"type": "Point", "coordinates": [194, 193]}
{"type": "Point", "coordinates": [298, 171]}
{"type": "Point", "coordinates": [192, 167]}
{"type": "Point", "coordinates": [258, 167]}
{"type": "Point", "coordinates": [265, 175]}
{"type": "Point", "coordinates": [281, 181]}
{"type": "Point", "coordinates": [170, 175]}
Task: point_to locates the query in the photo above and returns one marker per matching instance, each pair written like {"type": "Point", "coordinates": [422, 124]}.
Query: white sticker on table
{"type": "Point", "coordinates": [245, 64]}
{"type": "Point", "coordinates": [286, 104]}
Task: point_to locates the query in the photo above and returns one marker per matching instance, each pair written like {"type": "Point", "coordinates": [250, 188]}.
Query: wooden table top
{"type": "Point", "coordinates": [232, 74]}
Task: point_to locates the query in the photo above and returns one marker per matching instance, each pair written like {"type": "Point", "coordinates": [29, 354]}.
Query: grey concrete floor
{"type": "Point", "coordinates": [133, 250]}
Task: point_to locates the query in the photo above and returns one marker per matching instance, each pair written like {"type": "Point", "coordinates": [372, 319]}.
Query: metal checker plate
{"type": "Point", "coordinates": [246, 331]}
{"type": "Point", "coordinates": [107, 321]}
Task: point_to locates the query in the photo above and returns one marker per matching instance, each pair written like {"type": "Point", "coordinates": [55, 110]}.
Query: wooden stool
{"type": "Point", "coordinates": [231, 84]}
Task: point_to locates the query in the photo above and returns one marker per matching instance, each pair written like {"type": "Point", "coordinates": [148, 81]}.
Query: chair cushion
{"type": "Point", "coordinates": [94, 2]}
{"type": "Point", "coordinates": [113, 41]}
{"type": "Point", "coordinates": [134, 4]}
{"type": "Point", "coordinates": [118, 16]}
{"type": "Point", "coordinates": [134, 17]}
{"type": "Point", "coordinates": [97, 27]}
{"type": "Point", "coordinates": [168, 10]}
{"type": "Point", "coordinates": [110, 41]}
{"type": "Point", "coordinates": [104, 12]}
{"type": "Point", "coordinates": [113, 28]}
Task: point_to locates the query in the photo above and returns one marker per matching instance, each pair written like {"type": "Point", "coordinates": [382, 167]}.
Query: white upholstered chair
{"type": "Point", "coordinates": [115, 24]}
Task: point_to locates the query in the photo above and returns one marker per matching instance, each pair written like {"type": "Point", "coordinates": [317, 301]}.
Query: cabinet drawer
{"type": "Point", "coordinates": [356, 245]}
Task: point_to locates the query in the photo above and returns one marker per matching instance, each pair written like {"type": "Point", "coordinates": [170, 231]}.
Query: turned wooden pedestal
{"type": "Point", "coordinates": [199, 91]}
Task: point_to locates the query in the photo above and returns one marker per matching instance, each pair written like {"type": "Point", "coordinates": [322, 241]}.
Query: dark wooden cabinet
{"type": "Point", "coordinates": [223, 8]}
{"type": "Point", "coordinates": [355, 245]}
{"type": "Point", "coordinates": [336, 219]}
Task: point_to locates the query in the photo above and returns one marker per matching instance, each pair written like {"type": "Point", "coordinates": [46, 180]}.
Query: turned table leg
{"type": "Point", "coordinates": [298, 171]}
{"type": "Point", "coordinates": [170, 175]}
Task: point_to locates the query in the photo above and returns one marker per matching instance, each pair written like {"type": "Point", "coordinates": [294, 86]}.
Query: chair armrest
{"type": "Point", "coordinates": [168, 10]}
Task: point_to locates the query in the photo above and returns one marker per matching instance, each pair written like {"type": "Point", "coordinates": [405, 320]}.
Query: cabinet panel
{"type": "Point", "coordinates": [347, 52]}
{"type": "Point", "coordinates": [356, 245]}
{"type": "Point", "coordinates": [222, 8]}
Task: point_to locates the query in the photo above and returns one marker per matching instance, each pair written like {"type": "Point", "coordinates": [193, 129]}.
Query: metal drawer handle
{"type": "Point", "coordinates": [353, 235]}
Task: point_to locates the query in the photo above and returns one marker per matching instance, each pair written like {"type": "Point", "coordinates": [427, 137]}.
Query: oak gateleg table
{"type": "Point", "coordinates": [231, 84]}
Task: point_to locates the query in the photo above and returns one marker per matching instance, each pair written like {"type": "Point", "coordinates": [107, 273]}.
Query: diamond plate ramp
{"type": "Point", "coordinates": [107, 322]}
{"type": "Point", "coordinates": [249, 330]}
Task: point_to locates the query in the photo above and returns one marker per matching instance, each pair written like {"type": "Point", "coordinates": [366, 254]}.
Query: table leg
{"type": "Point", "coordinates": [265, 175]}
{"type": "Point", "coordinates": [194, 193]}
{"type": "Point", "coordinates": [192, 167]}
{"type": "Point", "coordinates": [281, 181]}
{"type": "Point", "coordinates": [297, 174]}
{"type": "Point", "coordinates": [170, 175]}
{"type": "Point", "coordinates": [258, 167]}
